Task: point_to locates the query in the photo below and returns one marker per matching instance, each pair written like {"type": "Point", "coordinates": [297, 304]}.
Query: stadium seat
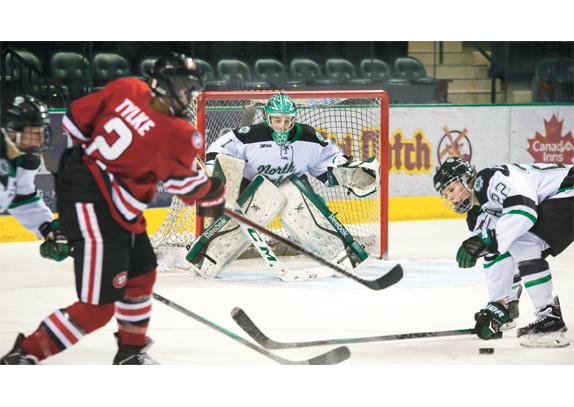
{"type": "Point", "coordinates": [307, 71]}
{"type": "Point", "coordinates": [237, 74]}
{"type": "Point", "coordinates": [211, 82]}
{"type": "Point", "coordinates": [340, 71]}
{"type": "Point", "coordinates": [553, 80]}
{"type": "Point", "coordinates": [145, 66]}
{"type": "Point", "coordinates": [24, 77]}
{"type": "Point", "coordinates": [271, 71]}
{"type": "Point", "coordinates": [71, 71]}
{"type": "Point", "coordinates": [411, 69]}
{"type": "Point", "coordinates": [374, 69]}
{"type": "Point", "coordinates": [109, 66]}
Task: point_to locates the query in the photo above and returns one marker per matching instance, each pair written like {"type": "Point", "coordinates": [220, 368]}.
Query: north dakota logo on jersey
{"type": "Point", "coordinates": [478, 184]}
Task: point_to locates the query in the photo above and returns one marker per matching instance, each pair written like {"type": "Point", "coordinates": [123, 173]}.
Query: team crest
{"type": "Point", "coordinates": [197, 140]}
{"type": "Point", "coordinates": [121, 279]}
{"type": "Point", "coordinates": [244, 130]}
{"type": "Point", "coordinates": [478, 184]}
{"type": "Point", "coordinates": [4, 167]}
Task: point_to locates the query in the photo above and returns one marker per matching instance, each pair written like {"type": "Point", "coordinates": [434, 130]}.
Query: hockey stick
{"type": "Point", "coordinates": [269, 256]}
{"type": "Point", "coordinates": [254, 332]}
{"type": "Point", "coordinates": [386, 280]}
{"type": "Point", "coordinates": [331, 357]}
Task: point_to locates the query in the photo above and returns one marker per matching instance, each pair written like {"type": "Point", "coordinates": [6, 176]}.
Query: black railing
{"type": "Point", "coordinates": [23, 77]}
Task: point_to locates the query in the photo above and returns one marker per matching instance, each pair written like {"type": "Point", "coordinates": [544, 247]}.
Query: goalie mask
{"type": "Point", "coordinates": [179, 79]}
{"type": "Point", "coordinates": [452, 180]}
{"type": "Point", "coordinates": [27, 123]}
{"type": "Point", "coordinates": [280, 114]}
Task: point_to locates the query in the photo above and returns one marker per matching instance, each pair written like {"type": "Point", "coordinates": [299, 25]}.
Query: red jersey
{"type": "Point", "coordinates": [129, 147]}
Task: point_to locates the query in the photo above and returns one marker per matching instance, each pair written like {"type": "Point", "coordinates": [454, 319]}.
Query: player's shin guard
{"type": "Point", "coordinates": [65, 327]}
{"type": "Point", "coordinates": [133, 312]}
{"type": "Point", "coordinates": [537, 280]}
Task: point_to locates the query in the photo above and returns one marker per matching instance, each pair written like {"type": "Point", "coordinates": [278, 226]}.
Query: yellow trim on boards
{"type": "Point", "coordinates": [400, 209]}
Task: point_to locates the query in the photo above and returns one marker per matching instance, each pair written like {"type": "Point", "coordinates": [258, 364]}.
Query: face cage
{"type": "Point", "coordinates": [280, 137]}
{"type": "Point", "coordinates": [176, 107]}
{"type": "Point", "coordinates": [16, 137]}
{"type": "Point", "coordinates": [462, 206]}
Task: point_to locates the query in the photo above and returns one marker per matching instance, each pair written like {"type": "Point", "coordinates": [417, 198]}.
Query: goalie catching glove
{"type": "Point", "coordinates": [55, 246]}
{"type": "Point", "coordinates": [362, 178]}
{"type": "Point", "coordinates": [212, 204]}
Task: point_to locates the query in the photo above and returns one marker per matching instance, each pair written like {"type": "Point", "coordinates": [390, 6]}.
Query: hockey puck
{"type": "Point", "coordinates": [486, 351]}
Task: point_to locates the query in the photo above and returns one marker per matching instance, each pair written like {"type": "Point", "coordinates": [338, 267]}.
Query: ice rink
{"type": "Point", "coordinates": [433, 295]}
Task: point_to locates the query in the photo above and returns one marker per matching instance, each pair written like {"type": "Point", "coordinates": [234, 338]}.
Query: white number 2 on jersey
{"type": "Point", "coordinates": [114, 150]}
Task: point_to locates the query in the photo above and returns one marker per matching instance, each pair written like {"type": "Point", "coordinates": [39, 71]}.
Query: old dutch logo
{"type": "Point", "coordinates": [552, 147]}
{"type": "Point", "coordinates": [121, 279]}
{"type": "Point", "coordinates": [454, 143]}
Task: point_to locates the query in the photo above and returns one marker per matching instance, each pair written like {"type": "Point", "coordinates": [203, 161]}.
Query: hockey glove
{"type": "Point", "coordinates": [55, 244]}
{"type": "Point", "coordinates": [212, 204]}
{"type": "Point", "coordinates": [475, 247]}
{"type": "Point", "coordinates": [490, 319]}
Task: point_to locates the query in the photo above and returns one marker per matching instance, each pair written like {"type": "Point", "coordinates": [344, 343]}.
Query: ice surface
{"type": "Point", "coordinates": [434, 295]}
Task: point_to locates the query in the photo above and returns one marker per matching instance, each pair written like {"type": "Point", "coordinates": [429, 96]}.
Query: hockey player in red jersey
{"type": "Point", "coordinates": [127, 137]}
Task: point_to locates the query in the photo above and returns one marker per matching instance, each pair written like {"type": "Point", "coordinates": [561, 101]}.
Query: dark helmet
{"type": "Point", "coordinates": [25, 111]}
{"type": "Point", "coordinates": [455, 169]}
{"type": "Point", "coordinates": [173, 74]}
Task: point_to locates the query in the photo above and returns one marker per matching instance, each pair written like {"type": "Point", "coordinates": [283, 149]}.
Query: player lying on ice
{"type": "Point", "coordinates": [265, 166]}
{"type": "Point", "coordinates": [25, 125]}
{"type": "Point", "coordinates": [127, 138]}
{"type": "Point", "coordinates": [531, 209]}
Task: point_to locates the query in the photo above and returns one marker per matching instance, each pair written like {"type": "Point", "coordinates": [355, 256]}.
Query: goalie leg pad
{"type": "Point", "coordinates": [230, 170]}
{"type": "Point", "coordinates": [310, 222]}
{"type": "Point", "coordinates": [224, 241]}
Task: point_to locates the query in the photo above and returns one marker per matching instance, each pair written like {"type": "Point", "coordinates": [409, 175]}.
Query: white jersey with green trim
{"type": "Point", "coordinates": [511, 193]}
{"type": "Point", "coordinates": [18, 193]}
{"type": "Point", "coordinates": [306, 152]}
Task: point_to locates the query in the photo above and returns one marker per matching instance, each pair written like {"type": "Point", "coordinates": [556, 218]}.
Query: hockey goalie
{"type": "Point", "coordinates": [265, 167]}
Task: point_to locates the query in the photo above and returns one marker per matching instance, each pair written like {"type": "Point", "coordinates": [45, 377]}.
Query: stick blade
{"type": "Point", "coordinates": [392, 277]}
{"type": "Point", "coordinates": [333, 357]}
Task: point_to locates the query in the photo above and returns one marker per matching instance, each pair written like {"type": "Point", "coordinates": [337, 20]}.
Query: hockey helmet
{"type": "Point", "coordinates": [455, 169]}
{"type": "Point", "coordinates": [27, 122]}
{"type": "Point", "coordinates": [179, 78]}
{"type": "Point", "coordinates": [280, 112]}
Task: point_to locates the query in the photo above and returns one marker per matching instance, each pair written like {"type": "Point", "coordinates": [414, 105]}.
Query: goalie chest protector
{"type": "Point", "coordinates": [307, 152]}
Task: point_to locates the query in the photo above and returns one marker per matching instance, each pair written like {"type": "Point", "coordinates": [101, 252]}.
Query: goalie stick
{"type": "Point", "coordinates": [331, 357]}
{"type": "Point", "coordinates": [386, 280]}
{"type": "Point", "coordinates": [270, 258]}
{"type": "Point", "coordinates": [254, 332]}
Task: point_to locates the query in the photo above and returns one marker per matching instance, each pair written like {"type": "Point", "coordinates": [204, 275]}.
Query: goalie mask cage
{"type": "Point", "coordinates": [356, 120]}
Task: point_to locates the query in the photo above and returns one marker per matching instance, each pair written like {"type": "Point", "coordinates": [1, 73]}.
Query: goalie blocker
{"type": "Point", "coordinates": [304, 214]}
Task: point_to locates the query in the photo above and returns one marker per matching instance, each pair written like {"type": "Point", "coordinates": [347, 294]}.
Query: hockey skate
{"type": "Point", "coordinates": [547, 331]}
{"type": "Point", "coordinates": [17, 356]}
{"type": "Point", "coordinates": [513, 311]}
{"type": "Point", "coordinates": [134, 355]}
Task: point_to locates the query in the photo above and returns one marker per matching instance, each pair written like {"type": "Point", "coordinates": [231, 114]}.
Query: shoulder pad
{"type": "Point", "coordinates": [482, 181]}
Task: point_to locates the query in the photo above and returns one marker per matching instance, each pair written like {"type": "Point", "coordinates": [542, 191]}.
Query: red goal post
{"type": "Point", "coordinates": [357, 120]}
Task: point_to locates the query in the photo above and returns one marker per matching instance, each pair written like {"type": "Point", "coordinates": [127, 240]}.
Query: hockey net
{"type": "Point", "coordinates": [356, 120]}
